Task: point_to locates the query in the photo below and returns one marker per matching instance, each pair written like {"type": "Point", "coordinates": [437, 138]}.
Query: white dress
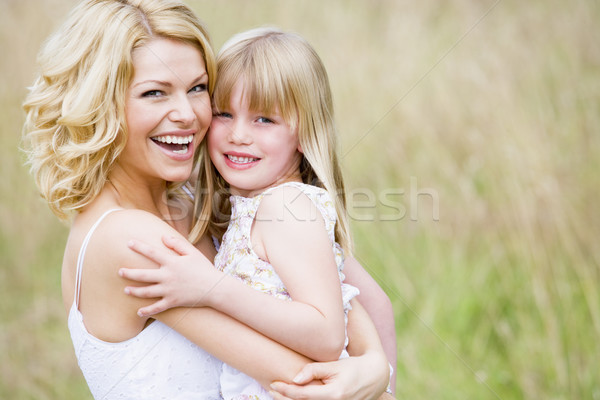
{"type": "Point", "coordinates": [236, 257]}
{"type": "Point", "coordinates": [158, 363]}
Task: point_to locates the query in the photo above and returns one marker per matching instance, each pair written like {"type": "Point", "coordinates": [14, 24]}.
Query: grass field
{"type": "Point", "coordinates": [471, 146]}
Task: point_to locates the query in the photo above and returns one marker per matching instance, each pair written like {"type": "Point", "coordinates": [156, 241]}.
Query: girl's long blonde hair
{"type": "Point", "coordinates": [75, 119]}
{"type": "Point", "coordinates": [281, 71]}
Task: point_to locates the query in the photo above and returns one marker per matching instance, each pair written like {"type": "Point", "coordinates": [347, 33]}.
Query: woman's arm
{"type": "Point", "coordinates": [365, 375]}
{"type": "Point", "coordinates": [378, 306]}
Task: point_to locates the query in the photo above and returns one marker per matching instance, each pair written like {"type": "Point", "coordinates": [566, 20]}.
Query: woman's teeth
{"type": "Point", "coordinates": [176, 144]}
{"type": "Point", "coordinates": [241, 160]}
{"type": "Point", "coordinates": [174, 139]}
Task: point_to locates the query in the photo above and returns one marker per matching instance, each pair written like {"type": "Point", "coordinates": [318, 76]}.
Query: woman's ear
{"type": "Point", "coordinates": [300, 149]}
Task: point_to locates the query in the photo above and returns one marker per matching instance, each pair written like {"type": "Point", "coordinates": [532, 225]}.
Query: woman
{"type": "Point", "coordinates": [122, 102]}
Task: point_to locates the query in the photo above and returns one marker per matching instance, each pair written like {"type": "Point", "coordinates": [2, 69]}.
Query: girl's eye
{"type": "Point", "coordinates": [202, 87]}
{"type": "Point", "coordinates": [264, 120]}
{"type": "Point", "coordinates": [152, 93]}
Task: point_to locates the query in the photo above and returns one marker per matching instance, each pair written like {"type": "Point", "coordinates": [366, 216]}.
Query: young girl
{"type": "Point", "coordinates": [272, 145]}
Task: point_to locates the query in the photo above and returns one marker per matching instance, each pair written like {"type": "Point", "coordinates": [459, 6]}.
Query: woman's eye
{"type": "Point", "coordinates": [202, 87]}
{"type": "Point", "coordinates": [223, 115]}
{"type": "Point", "coordinates": [152, 93]}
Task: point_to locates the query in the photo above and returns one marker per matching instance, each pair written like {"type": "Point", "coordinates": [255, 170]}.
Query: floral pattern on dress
{"type": "Point", "coordinates": [236, 257]}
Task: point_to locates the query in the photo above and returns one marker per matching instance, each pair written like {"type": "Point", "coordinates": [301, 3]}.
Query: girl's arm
{"type": "Point", "coordinates": [233, 342]}
{"type": "Point", "coordinates": [378, 306]}
{"type": "Point", "coordinates": [290, 232]}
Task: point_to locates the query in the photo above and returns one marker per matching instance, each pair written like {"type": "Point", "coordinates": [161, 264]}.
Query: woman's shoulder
{"type": "Point", "coordinates": [106, 233]}
{"type": "Point", "coordinates": [100, 246]}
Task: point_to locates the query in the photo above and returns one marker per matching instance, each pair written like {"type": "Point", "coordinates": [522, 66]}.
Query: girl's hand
{"type": "Point", "coordinates": [184, 277]}
{"type": "Point", "coordinates": [357, 378]}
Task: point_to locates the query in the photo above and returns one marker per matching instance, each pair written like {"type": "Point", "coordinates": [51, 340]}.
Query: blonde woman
{"type": "Point", "coordinates": [272, 144]}
{"type": "Point", "coordinates": [113, 123]}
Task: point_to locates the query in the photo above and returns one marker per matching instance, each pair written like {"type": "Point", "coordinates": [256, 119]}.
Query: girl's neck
{"type": "Point", "coordinates": [251, 192]}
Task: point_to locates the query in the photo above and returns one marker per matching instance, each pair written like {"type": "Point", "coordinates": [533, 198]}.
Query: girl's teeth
{"type": "Point", "coordinates": [241, 160]}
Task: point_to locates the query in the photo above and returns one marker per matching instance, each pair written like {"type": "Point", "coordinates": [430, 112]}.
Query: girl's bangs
{"type": "Point", "coordinates": [264, 89]}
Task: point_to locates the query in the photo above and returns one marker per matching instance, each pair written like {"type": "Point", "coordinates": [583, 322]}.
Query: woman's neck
{"type": "Point", "coordinates": [131, 193]}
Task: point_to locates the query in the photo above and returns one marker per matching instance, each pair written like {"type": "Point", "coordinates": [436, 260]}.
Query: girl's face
{"type": "Point", "coordinates": [167, 109]}
{"type": "Point", "coordinates": [253, 151]}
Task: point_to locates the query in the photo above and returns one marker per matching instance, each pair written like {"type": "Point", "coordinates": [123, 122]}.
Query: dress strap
{"type": "Point", "coordinates": [189, 192]}
{"type": "Point", "coordinates": [84, 245]}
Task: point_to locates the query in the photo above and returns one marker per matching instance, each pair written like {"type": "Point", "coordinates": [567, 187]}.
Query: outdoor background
{"type": "Point", "coordinates": [470, 143]}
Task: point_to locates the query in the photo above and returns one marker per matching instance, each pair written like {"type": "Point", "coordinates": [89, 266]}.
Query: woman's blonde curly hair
{"type": "Point", "coordinates": [75, 111]}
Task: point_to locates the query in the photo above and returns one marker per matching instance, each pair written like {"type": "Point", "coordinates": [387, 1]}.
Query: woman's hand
{"type": "Point", "coordinates": [184, 278]}
{"type": "Point", "coordinates": [357, 378]}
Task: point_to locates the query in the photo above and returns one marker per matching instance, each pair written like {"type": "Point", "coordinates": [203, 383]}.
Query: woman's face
{"type": "Point", "coordinates": [167, 109]}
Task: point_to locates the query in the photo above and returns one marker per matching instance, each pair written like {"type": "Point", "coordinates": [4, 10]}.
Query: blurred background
{"type": "Point", "coordinates": [471, 149]}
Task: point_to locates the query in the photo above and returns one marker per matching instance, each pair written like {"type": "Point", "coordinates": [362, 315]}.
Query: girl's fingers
{"type": "Point", "coordinates": [145, 292]}
{"type": "Point", "coordinates": [152, 309]}
{"type": "Point", "coordinates": [150, 252]}
{"type": "Point", "coordinates": [141, 274]}
{"type": "Point", "coordinates": [180, 246]}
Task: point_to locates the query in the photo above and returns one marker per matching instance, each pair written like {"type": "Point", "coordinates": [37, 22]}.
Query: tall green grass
{"type": "Point", "coordinates": [484, 111]}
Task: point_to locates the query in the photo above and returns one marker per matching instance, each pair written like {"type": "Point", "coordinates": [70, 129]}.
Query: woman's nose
{"type": "Point", "coordinates": [183, 111]}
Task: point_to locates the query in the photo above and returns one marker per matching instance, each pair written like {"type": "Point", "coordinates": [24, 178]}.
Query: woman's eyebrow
{"type": "Point", "coordinates": [162, 83]}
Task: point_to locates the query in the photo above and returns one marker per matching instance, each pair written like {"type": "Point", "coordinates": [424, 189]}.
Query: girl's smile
{"type": "Point", "coordinates": [240, 160]}
{"type": "Point", "coordinates": [253, 150]}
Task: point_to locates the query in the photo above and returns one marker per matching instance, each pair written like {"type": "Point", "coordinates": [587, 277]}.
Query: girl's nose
{"type": "Point", "coordinates": [239, 134]}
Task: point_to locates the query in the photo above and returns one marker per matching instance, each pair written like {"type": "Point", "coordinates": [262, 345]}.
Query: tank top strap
{"type": "Point", "coordinates": [189, 192]}
{"type": "Point", "coordinates": [81, 255]}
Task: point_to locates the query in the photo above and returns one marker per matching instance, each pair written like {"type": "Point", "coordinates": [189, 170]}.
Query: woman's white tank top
{"type": "Point", "coordinates": [158, 363]}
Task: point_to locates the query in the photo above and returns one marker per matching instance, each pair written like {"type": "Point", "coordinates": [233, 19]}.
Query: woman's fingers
{"type": "Point", "coordinates": [285, 391]}
{"type": "Point", "coordinates": [278, 396]}
{"type": "Point", "coordinates": [313, 371]}
{"type": "Point", "coordinates": [150, 252]}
